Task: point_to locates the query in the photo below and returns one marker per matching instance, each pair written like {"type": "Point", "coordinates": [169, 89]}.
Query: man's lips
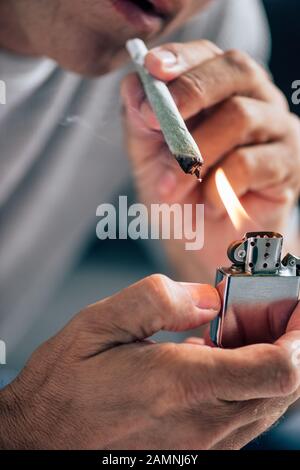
{"type": "Point", "coordinates": [167, 8]}
{"type": "Point", "coordinates": [144, 14]}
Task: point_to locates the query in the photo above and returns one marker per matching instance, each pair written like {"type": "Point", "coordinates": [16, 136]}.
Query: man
{"type": "Point", "coordinates": [99, 383]}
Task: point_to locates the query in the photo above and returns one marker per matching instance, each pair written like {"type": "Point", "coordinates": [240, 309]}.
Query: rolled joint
{"type": "Point", "coordinates": [177, 136]}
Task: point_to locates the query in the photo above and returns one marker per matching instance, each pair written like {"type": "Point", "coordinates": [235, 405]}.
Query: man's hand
{"type": "Point", "coordinates": [100, 384]}
{"type": "Point", "coordinates": [241, 123]}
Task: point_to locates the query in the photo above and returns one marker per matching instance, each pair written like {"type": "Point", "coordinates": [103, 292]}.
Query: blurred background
{"type": "Point", "coordinates": [284, 16]}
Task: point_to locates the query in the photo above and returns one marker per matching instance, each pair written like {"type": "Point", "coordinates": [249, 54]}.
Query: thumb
{"type": "Point", "coordinates": [169, 61]}
{"type": "Point", "coordinates": [153, 304]}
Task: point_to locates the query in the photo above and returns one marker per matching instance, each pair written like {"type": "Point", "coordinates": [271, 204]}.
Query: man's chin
{"type": "Point", "coordinates": [93, 67]}
{"type": "Point", "coordinates": [112, 63]}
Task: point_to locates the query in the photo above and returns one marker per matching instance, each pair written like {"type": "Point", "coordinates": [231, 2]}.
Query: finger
{"type": "Point", "coordinates": [230, 74]}
{"type": "Point", "coordinates": [169, 61]}
{"type": "Point", "coordinates": [253, 168]}
{"type": "Point", "coordinates": [166, 63]}
{"type": "Point", "coordinates": [252, 414]}
{"type": "Point", "coordinates": [237, 122]}
{"type": "Point", "coordinates": [294, 323]}
{"type": "Point", "coordinates": [290, 342]}
{"type": "Point", "coordinates": [253, 410]}
{"type": "Point", "coordinates": [249, 419]}
{"type": "Point", "coordinates": [265, 413]}
{"type": "Point", "coordinates": [153, 304]}
{"type": "Point", "coordinates": [268, 372]}
{"type": "Point", "coordinates": [252, 372]}
{"type": "Point", "coordinates": [246, 434]}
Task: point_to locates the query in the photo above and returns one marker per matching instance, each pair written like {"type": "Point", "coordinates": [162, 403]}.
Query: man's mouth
{"type": "Point", "coordinates": [150, 7]}
{"type": "Point", "coordinates": [144, 14]}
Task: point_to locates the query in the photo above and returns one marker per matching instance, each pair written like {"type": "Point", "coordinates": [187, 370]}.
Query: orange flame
{"type": "Point", "coordinates": [235, 210]}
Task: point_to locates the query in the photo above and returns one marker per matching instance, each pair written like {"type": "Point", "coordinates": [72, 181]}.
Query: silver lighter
{"type": "Point", "coordinates": [258, 288]}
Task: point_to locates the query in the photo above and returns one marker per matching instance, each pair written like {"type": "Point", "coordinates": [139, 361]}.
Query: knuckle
{"type": "Point", "coordinates": [237, 57]}
{"type": "Point", "coordinates": [243, 112]}
{"type": "Point", "coordinates": [295, 138]}
{"type": "Point", "coordinates": [90, 319]}
{"type": "Point", "coordinates": [244, 160]}
{"type": "Point", "coordinates": [209, 45]}
{"type": "Point", "coordinates": [295, 126]}
{"type": "Point", "coordinates": [295, 130]}
{"type": "Point", "coordinates": [158, 287]}
{"type": "Point", "coordinates": [247, 120]}
{"type": "Point", "coordinates": [273, 170]}
{"type": "Point", "coordinates": [239, 107]}
{"type": "Point", "coordinates": [282, 100]}
{"type": "Point", "coordinates": [83, 320]}
{"type": "Point", "coordinates": [288, 373]}
{"type": "Point", "coordinates": [200, 45]}
{"type": "Point", "coordinates": [192, 87]}
{"type": "Point", "coordinates": [243, 62]}
{"type": "Point", "coordinates": [259, 135]}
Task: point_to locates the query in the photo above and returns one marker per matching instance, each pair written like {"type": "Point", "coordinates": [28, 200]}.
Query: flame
{"type": "Point", "coordinates": [235, 210]}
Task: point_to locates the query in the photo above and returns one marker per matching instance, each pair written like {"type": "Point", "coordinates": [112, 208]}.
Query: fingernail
{"type": "Point", "coordinates": [205, 297]}
{"type": "Point", "coordinates": [207, 315]}
{"type": "Point", "coordinates": [209, 300]}
{"type": "Point", "coordinates": [166, 57]}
